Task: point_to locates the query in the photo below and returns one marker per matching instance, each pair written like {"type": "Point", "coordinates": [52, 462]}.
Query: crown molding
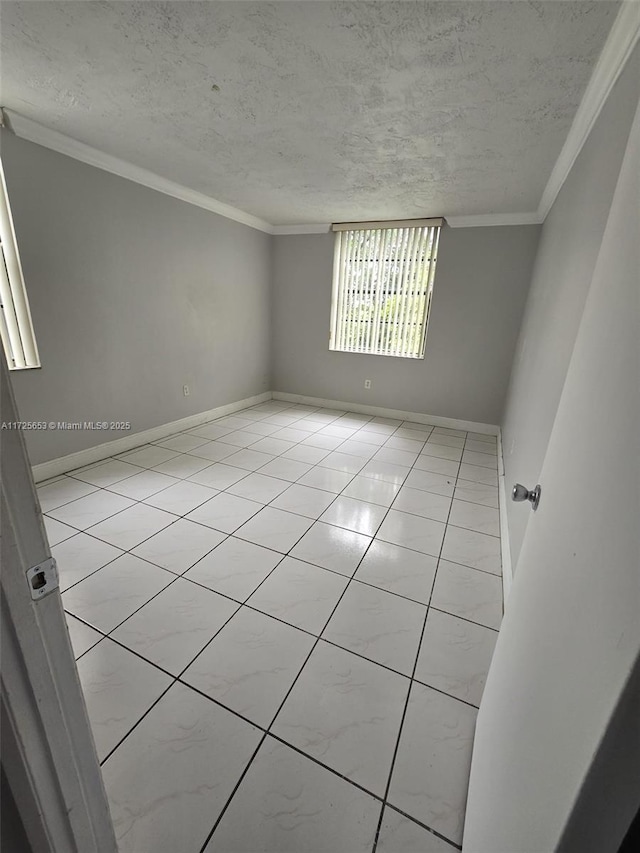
{"type": "Point", "coordinates": [484, 219]}
{"type": "Point", "coordinates": [621, 40]}
{"type": "Point", "coordinates": [33, 132]}
{"type": "Point", "coordinates": [322, 228]}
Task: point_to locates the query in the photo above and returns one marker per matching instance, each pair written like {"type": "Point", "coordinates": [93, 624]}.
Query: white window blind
{"type": "Point", "coordinates": [16, 328]}
{"type": "Point", "coordinates": [383, 276]}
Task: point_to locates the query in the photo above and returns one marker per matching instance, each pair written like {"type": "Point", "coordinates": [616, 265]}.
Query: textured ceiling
{"type": "Point", "coordinates": [322, 111]}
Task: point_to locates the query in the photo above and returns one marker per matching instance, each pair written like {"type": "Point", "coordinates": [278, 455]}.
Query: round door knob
{"type": "Point", "coordinates": [521, 493]}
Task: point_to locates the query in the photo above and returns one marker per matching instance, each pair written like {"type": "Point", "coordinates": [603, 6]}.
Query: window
{"type": "Point", "coordinates": [16, 328]}
{"type": "Point", "coordinates": [382, 283]}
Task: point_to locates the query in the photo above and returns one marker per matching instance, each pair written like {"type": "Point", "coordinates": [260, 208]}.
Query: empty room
{"type": "Point", "coordinates": [320, 459]}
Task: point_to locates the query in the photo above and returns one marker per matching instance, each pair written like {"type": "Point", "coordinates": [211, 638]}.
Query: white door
{"type": "Point", "coordinates": [571, 634]}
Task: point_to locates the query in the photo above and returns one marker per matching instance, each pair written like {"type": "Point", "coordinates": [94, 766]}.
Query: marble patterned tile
{"type": "Point", "coordinates": [412, 531]}
{"type": "Point", "coordinates": [431, 772]}
{"type": "Point", "coordinates": [286, 469]}
{"type": "Point", "coordinates": [352, 514]}
{"type": "Point", "coordinates": [439, 484]}
{"type": "Point", "coordinates": [303, 500]}
{"type": "Point", "coordinates": [179, 546]}
{"type": "Point", "coordinates": [148, 456]}
{"type": "Point", "coordinates": [179, 766]}
{"type": "Point", "coordinates": [300, 594]}
{"type": "Point", "coordinates": [112, 594]}
{"type": "Point", "coordinates": [235, 568]}
{"type": "Point", "coordinates": [478, 474]}
{"type": "Point", "coordinates": [399, 834]}
{"type": "Point", "coordinates": [469, 548]}
{"type": "Point", "coordinates": [258, 487]}
{"type": "Point", "coordinates": [346, 712]}
{"type": "Point", "coordinates": [62, 491]}
{"type": "Point", "coordinates": [128, 528]}
{"type": "Point", "coordinates": [378, 469]}
{"type": "Point", "coordinates": [182, 466]}
{"type": "Point", "coordinates": [106, 473]}
{"type": "Point", "coordinates": [218, 476]}
{"type": "Point", "coordinates": [143, 485]}
{"type": "Point", "coordinates": [332, 548]}
{"type": "Point", "coordinates": [426, 504]}
{"type": "Point", "coordinates": [274, 528]}
{"type": "Point", "coordinates": [288, 803]}
{"type": "Point", "coordinates": [473, 516]}
{"type": "Point", "coordinates": [484, 460]}
{"type": "Point", "coordinates": [225, 512]}
{"type": "Point", "coordinates": [326, 479]}
{"type": "Point", "coordinates": [89, 510]}
{"type": "Point", "coordinates": [251, 664]}
{"type": "Point", "coordinates": [80, 556]}
{"type": "Point", "coordinates": [82, 636]}
{"type": "Point", "coordinates": [181, 498]}
{"type": "Point", "coordinates": [382, 627]}
{"type": "Point", "coordinates": [398, 570]}
{"type": "Point", "coordinates": [436, 465]}
{"type": "Point", "coordinates": [118, 689]}
{"type": "Point", "coordinates": [476, 493]}
{"type": "Point", "coordinates": [57, 532]}
{"type": "Point", "coordinates": [468, 593]}
{"type": "Point", "coordinates": [175, 625]}
{"type": "Point", "coordinates": [455, 656]}
{"type": "Point", "coordinates": [374, 491]}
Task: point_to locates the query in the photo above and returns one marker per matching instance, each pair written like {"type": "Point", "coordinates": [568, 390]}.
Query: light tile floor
{"type": "Point", "coordinates": [283, 621]}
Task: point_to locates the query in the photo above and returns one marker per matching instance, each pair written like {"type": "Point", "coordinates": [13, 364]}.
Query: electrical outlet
{"type": "Point", "coordinates": [185, 390]}
{"type": "Point", "coordinates": [367, 384]}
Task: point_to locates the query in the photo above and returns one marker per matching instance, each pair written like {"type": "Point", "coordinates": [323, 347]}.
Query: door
{"type": "Point", "coordinates": [48, 753]}
{"type": "Point", "coordinates": [570, 638]}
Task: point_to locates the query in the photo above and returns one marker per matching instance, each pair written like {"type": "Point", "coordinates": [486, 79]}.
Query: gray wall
{"type": "Point", "coordinates": [480, 290]}
{"type": "Point", "coordinates": [569, 245]}
{"type": "Point", "coordinates": [133, 295]}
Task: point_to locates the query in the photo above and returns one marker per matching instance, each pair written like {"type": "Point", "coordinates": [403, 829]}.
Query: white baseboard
{"type": "Point", "coordinates": [379, 411]}
{"type": "Point", "coordinates": [46, 470]}
{"type": "Point", "coordinates": [507, 569]}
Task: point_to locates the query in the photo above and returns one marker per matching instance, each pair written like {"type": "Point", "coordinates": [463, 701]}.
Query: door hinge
{"type": "Point", "coordinates": [43, 578]}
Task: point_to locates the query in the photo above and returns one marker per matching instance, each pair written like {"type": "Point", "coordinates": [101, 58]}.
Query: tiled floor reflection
{"type": "Point", "coordinates": [283, 621]}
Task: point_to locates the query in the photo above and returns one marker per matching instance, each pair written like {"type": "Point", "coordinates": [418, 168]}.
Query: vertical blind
{"type": "Point", "coordinates": [16, 328]}
{"type": "Point", "coordinates": [383, 277]}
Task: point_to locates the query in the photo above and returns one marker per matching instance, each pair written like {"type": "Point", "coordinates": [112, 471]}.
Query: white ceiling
{"type": "Point", "coordinates": [326, 111]}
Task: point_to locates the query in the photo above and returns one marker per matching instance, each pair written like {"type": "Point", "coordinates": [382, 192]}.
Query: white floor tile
{"type": "Point", "coordinates": [273, 446]}
{"type": "Point", "coordinates": [57, 531]}
{"type": "Point", "coordinates": [240, 438]}
{"type": "Point", "coordinates": [324, 442]}
{"type": "Point", "coordinates": [412, 531]}
{"type": "Point", "coordinates": [132, 526]}
{"type": "Point", "coordinates": [183, 442]}
{"type": "Point", "coordinates": [143, 485]}
{"type": "Point", "coordinates": [455, 656]}
{"type": "Point", "coordinates": [291, 434]}
{"type": "Point", "coordinates": [250, 459]}
{"type": "Point", "coordinates": [82, 636]}
{"type": "Point", "coordinates": [431, 773]}
{"type": "Point", "coordinates": [332, 548]}
{"type": "Point", "coordinates": [251, 664]}
{"type": "Point", "coordinates": [443, 451]}
{"type": "Point", "coordinates": [484, 460]}
{"type": "Point", "coordinates": [304, 500]}
{"type": "Point", "coordinates": [352, 514]}
{"type": "Point", "coordinates": [458, 433]}
{"type": "Point", "coordinates": [478, 474]}
{"type": "Point", "coordinates": [439, 484]}
{"type": "Point", "coordinates": [211, 431]}
{"type": "Point", "coordinates": [118, 689]}
{"type": "Point", "coordinates": [149, 456]}
{"type": "Point", "coordinates": [175, 625]}
{"type": "Point", "coordinates": [235, 568]}
{"type": "Point", "coordinates": [486, 439]}
{"type": "Point", "coordinates": [476, 550]}
{"type": "Point", "coordinates": [300, 594]}
{"type": "Point", "coordinates": [87, 511]}
{"type": "Point", "coordinates": [305, 453]}
{"type": "Point", "coordinates": [378, 625]}
{"type": "Point", "coordinates": [216, 451]}
{"type": "Point", "coordinates": [274, 528]}
{"type": "Point", "coordinates": [386, 471]}
{"type": "Point", "coordinates": [104, 474]}
{"type": "Point", "coordinates": [398, 834]}
{"type": "Point", "coordinates": [179, 546]}
{"type": "Point", "coordinates": [218, 476]}
{"type": "Point", "coordinates": [112, 594]}
{"type": "Point", "coordinates": [326, 479]}
{"type": "Point", "coordinates": [258, 487]}
{"type": "Point", "coordinates": [182, 762]}
{"type": "Point", "coordinates": [373, 491]}
{"type": "Point", "coordinates": [436, 465]}
{"type": "Point", "coordinates": [398, 570]}
{"type": "Point", "coordinates": [396, 457]}
{"type": "Point", "coordinates": [426, 504]}
{"type": "Point", "coordinates": [225, 512]}
{"type": "Point", "coordinates": [345, 462]}
{"type": "Point", "coordinates": [286, 469]}
{"type": "Point", "coordinates": [476, 493]}
{"type": "Point", "coordinates": [358, 448]}
{"type": "Point", "coordinates": [62, 491]}
{"type": "Point", "coordinates": [399, 443]}
{"type": "Point", "coordinates": [80, 556]}
{"type": "Point", "coordinates": [473, 516]}
{"type": "Point", "coordinates": [182, 466]}
{"type": "Point", "coordinates": [288, 803]}
{"type": "Point", "coordinates": [181, 498]}
{"type": "Point", "coordinates": [481, 447]}
{"type": "Point", "coordinates": [468, 593]}
{"type": "Point", "coordinates": [357, 737]}
{"type": "Point", "coordinates": [449, 440]}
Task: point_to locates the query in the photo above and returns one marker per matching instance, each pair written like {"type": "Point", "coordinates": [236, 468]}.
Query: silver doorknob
{"type": "Point", "coordinates": [521, 493]}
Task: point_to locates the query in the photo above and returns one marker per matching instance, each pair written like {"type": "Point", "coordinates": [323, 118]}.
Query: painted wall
{"type": "Point", "coordinates": [479, 295]}
{"type": "Point", "coordinates": [133, 295]}
{"type": "Point", "coordinates": [569, 244]}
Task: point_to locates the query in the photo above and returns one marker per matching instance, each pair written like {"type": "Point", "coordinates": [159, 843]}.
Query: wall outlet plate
{"type": "Point", "coordinates": [367, 384]}
{"type": "Point", "coordinates": [185, 390]}
{"type": "Point", "coordinates": [43, 578]}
